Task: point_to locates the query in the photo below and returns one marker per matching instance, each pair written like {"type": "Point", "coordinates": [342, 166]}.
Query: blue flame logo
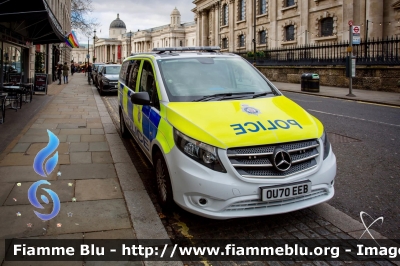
{"type": "Point", "coordinates": [44, 169]}
{"type": "Point", "coordinates": [32, 198]}
{"type": "Point", "coordinates": [44, 153]}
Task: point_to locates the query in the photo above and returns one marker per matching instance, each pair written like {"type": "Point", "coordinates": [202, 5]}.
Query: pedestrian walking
{"type": "Point", "coordinates": [59, 72]}
{"type": "Point", "coordinates": [65, 72]}
{"type": "Point", "coordinates": [72, 68]}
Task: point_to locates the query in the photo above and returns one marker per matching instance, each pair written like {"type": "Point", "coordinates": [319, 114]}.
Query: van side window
{"type": "Point", "coordinates": [148, 83]}
{"type": "Point", "coordinates": [133, 73]}
{"type": "Point", "coordinates": [122, 73]}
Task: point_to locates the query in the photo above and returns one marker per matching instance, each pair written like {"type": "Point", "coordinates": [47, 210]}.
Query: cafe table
{"type": "Point", "coordinates": [12, 94]}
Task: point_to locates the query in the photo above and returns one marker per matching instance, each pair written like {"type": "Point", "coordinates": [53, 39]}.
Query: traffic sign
{"type": "Point", "coordinates": [356, 34]}
{"type": "Point", "coordinates": [88, 56]}
{"type": "Point", "coordinates": [350, 23]}
{"type": "Point", "coordinates": [356, 29]}
{"type": "Point", "coordinates": [356, 40]}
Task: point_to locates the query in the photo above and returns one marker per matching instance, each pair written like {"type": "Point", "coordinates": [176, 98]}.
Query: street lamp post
{"type": "Point", "coordinates": [94, 46]}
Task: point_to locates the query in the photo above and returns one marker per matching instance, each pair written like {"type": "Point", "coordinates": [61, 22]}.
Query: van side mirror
{"type": "Point", "coordinates": [141, 98]}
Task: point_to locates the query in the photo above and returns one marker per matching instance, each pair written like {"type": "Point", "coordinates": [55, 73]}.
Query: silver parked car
{"type": "Point", "coordinates": [108, 78]}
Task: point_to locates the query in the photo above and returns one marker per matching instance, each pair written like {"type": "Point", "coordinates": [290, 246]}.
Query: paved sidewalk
{"type": "Point", "coordinates": [379, 97]}
{"type": "Point", "coordinates": [101, 194]}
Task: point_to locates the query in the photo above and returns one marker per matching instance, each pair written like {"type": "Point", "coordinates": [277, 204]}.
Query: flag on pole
{"type": "Point", "coordinates": [71, 40]}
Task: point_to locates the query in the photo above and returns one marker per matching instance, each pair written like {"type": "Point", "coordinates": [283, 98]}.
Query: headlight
{"type": "Point", "coordinates": [327, 144]}
{"type": "Point", "coordinates": [106, 80]}
{"type": "Point", "coordinates": [198, 151]}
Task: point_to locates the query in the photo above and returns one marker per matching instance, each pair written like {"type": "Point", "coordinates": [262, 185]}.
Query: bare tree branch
{"type": "Point", "coordinates": [80, 22]}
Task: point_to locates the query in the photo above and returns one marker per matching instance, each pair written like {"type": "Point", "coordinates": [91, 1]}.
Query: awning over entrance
{"type": "Point", "coordinates": [32, 19]}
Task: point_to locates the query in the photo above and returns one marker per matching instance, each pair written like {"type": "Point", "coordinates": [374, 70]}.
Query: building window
{"type": "Point", "coordinates": [289, 2]}
{"type": "Point", "coordinates": [224, 43]}
{"type": "Point", "coordinates": [289, 33]}
{"type": "Point", "coordinates": [241, 40]}
{"type": "Point", "coordinates": [327, 27]}
{"type": "Point", "coordinates": [263, 37]}
{"type": "Point", "coordinates": [225, 15]}
{"type": "Point", "coordinates": [180, 43]}
{"type": "Point", "coordinates": [263, 7]}
{"type": "Point", "coordinates": [242, 10]}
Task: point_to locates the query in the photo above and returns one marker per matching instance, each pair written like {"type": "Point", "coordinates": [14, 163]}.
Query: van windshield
{"type": "Point", "coordinates": [191, 79]}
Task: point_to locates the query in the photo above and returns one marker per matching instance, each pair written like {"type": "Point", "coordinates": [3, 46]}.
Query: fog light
{"type": "Point", "coordinates": [202, 201]}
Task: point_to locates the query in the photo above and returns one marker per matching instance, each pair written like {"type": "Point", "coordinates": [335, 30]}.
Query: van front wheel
{"type": "Point", "coordinates": [165, 194]}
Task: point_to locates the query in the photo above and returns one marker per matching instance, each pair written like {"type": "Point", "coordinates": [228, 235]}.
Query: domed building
{"type": "Point", "coordinates": [122, 43]}
{"type": "Point", "coordinates": [117, 28]}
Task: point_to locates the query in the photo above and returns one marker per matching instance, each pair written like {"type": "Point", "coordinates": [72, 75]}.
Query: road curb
{"type": "Point", "coordinates": [342, 98]}
{"type": "Point", "coordinates": [144, 217]}
{"type": "Point", "coordinates": [343, 221]}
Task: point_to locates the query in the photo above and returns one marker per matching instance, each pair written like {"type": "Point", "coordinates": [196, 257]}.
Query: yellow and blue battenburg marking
{"type": "Point", "coordinates": [150, 121]}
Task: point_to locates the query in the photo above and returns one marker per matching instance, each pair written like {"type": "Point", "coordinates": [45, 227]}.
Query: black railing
{"type": "Point", "coordinates": [373, 52]}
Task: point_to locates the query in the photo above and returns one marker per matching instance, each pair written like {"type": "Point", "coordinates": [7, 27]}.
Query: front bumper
{"type": "Point", "coordinates": [112, 86]}
{"type": "Point", "coordinates": [229, 195]}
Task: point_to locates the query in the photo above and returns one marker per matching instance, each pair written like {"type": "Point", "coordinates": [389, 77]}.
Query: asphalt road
{"type": "Point", "coordinates": [368, 177]}
{"type": "Point", "coordinates": [365, 140]}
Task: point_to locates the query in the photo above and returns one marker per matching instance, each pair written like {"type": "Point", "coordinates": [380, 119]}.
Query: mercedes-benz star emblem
{"type": "Point", "coordinates": [282, 160]}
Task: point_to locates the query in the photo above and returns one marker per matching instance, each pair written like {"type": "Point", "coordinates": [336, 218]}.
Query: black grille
{"type": "Point", "coordinates": [271, 172]}
{"type": "Point", "coordinates": [250, 161]}
{"type": "Point", "coordinates": [257, 161]}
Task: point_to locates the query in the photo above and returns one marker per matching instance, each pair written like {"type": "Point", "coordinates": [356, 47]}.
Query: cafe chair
{"type": "Point", "coordinates": [14, 99]}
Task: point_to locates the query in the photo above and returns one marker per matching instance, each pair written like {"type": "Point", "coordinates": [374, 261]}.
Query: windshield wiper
{"type": "Point", "coordinates": [262, 94]}
{"type": "Point", "coordinates": [222, 95]}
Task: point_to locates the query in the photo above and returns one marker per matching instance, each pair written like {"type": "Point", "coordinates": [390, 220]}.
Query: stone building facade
{"type": "Point", "coordinates": [32, 37]}
{"type": "Point", "coordinates": [279, 23]}
{"type": "Point", "coordinates": [121, 43]}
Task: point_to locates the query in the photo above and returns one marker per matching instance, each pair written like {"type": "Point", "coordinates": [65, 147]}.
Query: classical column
{"type": "Point", "coordinates": [231, 13]}
{"type": "Point", "coordinates": [375, 18]}
{"type": "Point", "coordinates": [204, 28]}
{"type": "Point", "coordinates": [348, 14]}
{"type": "Point", "coordinates": [304, 26]}
{"type": "Point", "coordinates": [197, 19]}
{"type": "Point", "coordinates": [273, 35]}
{"type": "Point", "coordinates": [216, 24]}
{"type": "Point", "coordinates": [250, 25]}
{"type": "Point", "coordinates": [199, 30]}
{"type": "Point", "coordinates": [211, 18]}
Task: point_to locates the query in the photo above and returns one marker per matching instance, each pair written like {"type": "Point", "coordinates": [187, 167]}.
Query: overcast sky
{"type": "Point", "coordinates": [137, 14]}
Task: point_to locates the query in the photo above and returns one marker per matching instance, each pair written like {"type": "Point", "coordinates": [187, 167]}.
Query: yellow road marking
{"type": "Point", "coordinates": [185, 232]}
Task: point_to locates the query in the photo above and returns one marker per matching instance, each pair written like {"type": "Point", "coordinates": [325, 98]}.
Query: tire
{"type": "Point", "coordinates": [164, 188]}
{"type": "Point", "coordinates": [122, 126]}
